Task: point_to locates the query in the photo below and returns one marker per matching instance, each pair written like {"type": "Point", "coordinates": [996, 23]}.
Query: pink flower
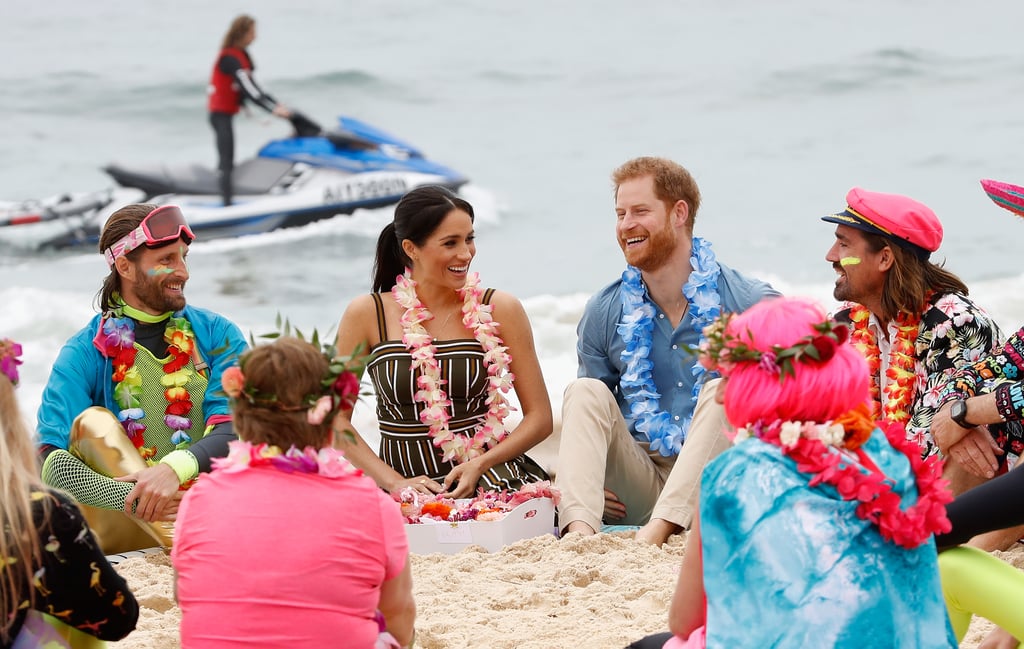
{"type": "Point", "coordinates": [769, 363]}
{"type": "Point", "coordinates": [9, 359]}
{"type": "Point", "coordinates": [315, 415]}
{"type": "Point", "coordinates": [232, 381]}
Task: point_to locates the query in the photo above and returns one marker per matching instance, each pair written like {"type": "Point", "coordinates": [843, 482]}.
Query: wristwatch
{"type": "Point", "coordinates": [958, 413]}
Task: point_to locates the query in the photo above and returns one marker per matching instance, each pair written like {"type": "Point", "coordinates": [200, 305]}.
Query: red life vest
{"type": "Point", "coordinates": [225, 97]}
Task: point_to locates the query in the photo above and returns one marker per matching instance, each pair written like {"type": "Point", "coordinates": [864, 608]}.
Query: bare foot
{"type": "Point", "coordinates": [657, 531]}
{"type": "Point", "coordinates": [581, 527]}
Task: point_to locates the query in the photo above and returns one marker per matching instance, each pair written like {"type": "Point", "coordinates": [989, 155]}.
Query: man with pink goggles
{"type": "Point", "coordinates": [134, 410]}
{"type": "Point", "coordinates": [163, 225]}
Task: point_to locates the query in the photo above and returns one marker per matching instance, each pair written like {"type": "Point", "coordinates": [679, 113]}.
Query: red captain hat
{"type": "Point", "coordinates": [909, 223]}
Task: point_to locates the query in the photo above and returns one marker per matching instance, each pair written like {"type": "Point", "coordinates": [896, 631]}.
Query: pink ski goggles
{"type": "Point", "coordinates": [165, 224]}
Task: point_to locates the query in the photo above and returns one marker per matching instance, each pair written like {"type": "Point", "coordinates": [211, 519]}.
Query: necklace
{"type": "Point", "coordinates": [477, 318]}
{"type": "Point", "coordinates": [894, 402]}
{"type": "Point", "coordinates": [446, 321]}
{"type": "Point", "coordinates": [327, 462]}
{"type": "Point", "coordinates": [116, 340]}
{"type": "Point", "coordinates": [637, 381]}
{"type": "Point", "coordinates": [831, 453]}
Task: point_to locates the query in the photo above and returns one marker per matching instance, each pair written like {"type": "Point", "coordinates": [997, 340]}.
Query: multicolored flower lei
{"type": "Point", "coordinates": [902, 372]}
{"type": "Point", "coordinates": [477, 318]}
{"type": "Point", "coordinates": [417, 507]}
{"type": "Point", "coordinates": [637, 381]}
{"type": "Point", "coordinates": [116, 340]}
{"type": "Point", "coordinates": [328, 462]}
{"type": "Point", "coordinates": [10, 353]}
{"type": "Point", "coordinates": [832, 454]}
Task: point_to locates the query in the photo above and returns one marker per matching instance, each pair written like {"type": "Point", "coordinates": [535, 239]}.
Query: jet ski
{"type": "Point", "coordinates": [311, 175]}
{"type": "Point", "coordinates": [33, 224]}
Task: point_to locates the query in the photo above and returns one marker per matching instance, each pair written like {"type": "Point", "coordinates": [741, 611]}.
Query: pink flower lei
{"type": "Point", "coordinates": [857, 478]}
{"type": "Point", "coordinates": [477, 318]}
{"type": "Point", "coordinates": [328, 462]}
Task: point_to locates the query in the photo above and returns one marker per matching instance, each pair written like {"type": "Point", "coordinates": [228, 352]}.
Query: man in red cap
{"type": "Point", "coordinates": [914, 323]}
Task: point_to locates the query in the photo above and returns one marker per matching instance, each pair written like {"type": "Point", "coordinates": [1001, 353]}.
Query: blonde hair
{"type": "Point", "coordinates": [20, 548]}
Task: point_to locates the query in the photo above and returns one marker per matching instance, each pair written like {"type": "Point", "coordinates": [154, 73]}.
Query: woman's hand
{"type": "Point", "coordinates": [462, 480]}
{"type": "Point", "coordinates": [421, 483]}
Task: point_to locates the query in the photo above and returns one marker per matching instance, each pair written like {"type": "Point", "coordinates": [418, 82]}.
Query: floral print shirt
{"type": "Point", "coordinates": [954, 332]}
{"type": "Point", "coordinates": [74, 581]}
{"type": "Point", "coordinates": [1001, 372]}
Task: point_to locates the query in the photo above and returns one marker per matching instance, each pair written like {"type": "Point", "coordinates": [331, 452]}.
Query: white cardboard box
{"type": "Point", "coordinates": [535, 517]}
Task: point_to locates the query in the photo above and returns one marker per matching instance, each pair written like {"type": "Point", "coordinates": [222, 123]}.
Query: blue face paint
{"type": "Point", "coordinates": [159, 270]}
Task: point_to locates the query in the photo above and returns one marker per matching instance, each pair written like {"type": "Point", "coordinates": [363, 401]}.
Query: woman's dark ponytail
{"type": "Point", "coordinates": [390, 260]}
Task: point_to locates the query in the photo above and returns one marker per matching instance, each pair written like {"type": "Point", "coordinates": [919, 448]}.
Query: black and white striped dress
{"type": "Point", "coordinates": [405, 442]}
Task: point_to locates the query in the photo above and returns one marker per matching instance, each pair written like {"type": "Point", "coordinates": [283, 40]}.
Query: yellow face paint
{"type": "Point", "coordinates": [849, 261]}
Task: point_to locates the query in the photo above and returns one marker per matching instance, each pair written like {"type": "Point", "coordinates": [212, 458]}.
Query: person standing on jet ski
{"type": "Point", "coordinates": [230, 85]}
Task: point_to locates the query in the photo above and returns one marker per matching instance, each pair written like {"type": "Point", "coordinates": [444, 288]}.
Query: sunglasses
{"type": "Point", "coordinates": [163, 225]}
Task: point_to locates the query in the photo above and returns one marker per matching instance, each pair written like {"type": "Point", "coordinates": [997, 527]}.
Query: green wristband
{"type": "Point", "coordinates": [185, 465]}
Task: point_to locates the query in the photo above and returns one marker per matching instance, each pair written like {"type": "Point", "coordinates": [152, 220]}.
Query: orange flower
{"type": "Point", "coordinates": [182, 340]}
{"type": "Point", "coordinates": [858, 424]}
{"type": "Point", "coordinates": [440, 510]}
{"type": "Point", "coordinates": [175, 394]}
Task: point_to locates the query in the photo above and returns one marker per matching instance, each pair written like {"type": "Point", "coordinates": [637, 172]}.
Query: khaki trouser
{"type": "Point", "coordinates": [597, 452]}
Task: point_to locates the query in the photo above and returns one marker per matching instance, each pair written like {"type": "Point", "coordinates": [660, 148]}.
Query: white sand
{"type": "Point", "coordinates": [600, 592]}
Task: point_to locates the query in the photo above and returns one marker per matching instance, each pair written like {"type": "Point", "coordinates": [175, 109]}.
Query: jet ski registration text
{"type": "Point", "coordinates": [365, 189]}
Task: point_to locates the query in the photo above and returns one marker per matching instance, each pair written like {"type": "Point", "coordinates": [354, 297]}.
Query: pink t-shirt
{"type": "Point", "coordinates": [274, 559]}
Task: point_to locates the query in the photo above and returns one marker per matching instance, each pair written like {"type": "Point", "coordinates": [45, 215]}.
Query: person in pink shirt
{"type": "Point", "coordinates": [290, 548]}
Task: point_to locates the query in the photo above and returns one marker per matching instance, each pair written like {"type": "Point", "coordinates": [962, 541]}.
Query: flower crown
{"type": "Point", "coordinates": [10, 353]}
{"type": "Point", "coordinates": [722, 351]}
{"type": "Point", "coordinates": [340, 386]}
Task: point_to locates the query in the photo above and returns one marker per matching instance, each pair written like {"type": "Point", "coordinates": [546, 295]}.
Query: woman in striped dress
{"type": "Point", "coordinates": [443, 355]}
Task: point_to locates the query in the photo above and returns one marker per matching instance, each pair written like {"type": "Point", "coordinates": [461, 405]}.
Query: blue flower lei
{"type": "Point", "coordinates": [637, 382]}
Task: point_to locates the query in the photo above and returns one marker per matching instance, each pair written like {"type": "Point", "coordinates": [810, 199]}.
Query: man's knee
{"type": "Point", "coordinates": [587, 390]}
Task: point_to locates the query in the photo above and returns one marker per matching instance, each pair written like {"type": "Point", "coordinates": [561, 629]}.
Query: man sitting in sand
{"type": "Point", "coordinates": [640, 422]}
{"type": "Point", "coordinates": [157, 364]}
{"type": "Point", "coordinates": [913, 321]}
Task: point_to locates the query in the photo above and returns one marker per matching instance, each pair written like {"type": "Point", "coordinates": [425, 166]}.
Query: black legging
{"type": "Point", "coordinates": [994, 505]}
{"type": "Point", "coordinates": [224, 133]}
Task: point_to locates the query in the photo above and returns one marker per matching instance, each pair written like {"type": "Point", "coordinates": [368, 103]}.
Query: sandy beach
{"type": "Point", "coordinates": [603, 592]}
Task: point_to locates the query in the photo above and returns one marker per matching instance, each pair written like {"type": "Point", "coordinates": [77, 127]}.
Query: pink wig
{"type": "Point", "coordinates": [818, 391]}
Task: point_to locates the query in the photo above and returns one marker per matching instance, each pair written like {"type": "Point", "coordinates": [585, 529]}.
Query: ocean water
{"type": "Point", "coordinates": [777, 108]}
